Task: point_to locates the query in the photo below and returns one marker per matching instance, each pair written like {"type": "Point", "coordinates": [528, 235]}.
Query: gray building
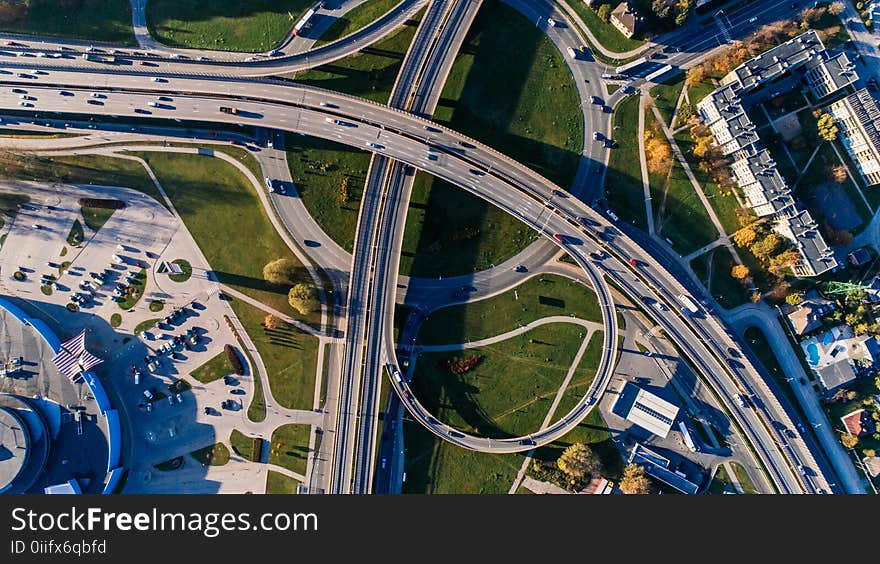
{"type": "Point", "coordinates": [858, 118]}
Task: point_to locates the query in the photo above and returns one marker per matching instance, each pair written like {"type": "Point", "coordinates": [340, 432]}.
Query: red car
{"type": "Point", "coordinates": [633, 262]}
{"type": "Point", "coordinates": [558, 237]}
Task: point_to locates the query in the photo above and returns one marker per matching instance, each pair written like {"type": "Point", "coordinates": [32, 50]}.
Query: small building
{"type": "Point", "coordinates": [859, 257]}
{"type": "Point", "coordinates": [838, 355]}
{"type": "Point", "coordinates": [626, 19]}
{"type": "Point", "coordinates": [649, 411]}
{"type": "Point", "coordinates": [836, 375]}
{"type": "Point", "coordinates": [858, 118]}
{"type": "Point", "coordinates": [872, 465]}
{"type": "Point", "coordinates": [825, 75]}
{"type": "Point", "coordinates": [807, 316]}
{"type": "Point", "coordinates": [661, 468]}
{"type": "Point", "coordinates": [859, 423]}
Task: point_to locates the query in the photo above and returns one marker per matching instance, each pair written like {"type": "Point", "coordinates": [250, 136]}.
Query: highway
{"type": "Point", "coordinates": [705, 341]}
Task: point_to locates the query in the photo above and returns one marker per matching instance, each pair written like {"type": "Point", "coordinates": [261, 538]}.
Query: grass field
{"type": "Point", "coordinates": [185, 266]}
{"type": "Point", "coordinates": [727, 290]}
{"type": "Point", "coordinates": [80, 169]}
{"type": "Point", "coordinates": [605, 33]}
{"type": "Point", "coordinates": [289, 447]}
{"type": "Point", "coordinates": [820, 172]}
{"type": "Point", "coordinates": [720, 482]}
{"type": "Point", "coordinates": [319, 168]}
{"type": "Point", "coordinates": [290, 357]}
{"type": "Point", "coordinates": [450, 232]}
{"type": "Point", "coordinates": [355, 19]}
{"type": "Point", "coordinates": [278, 483]}
{"type": "Point", "coordinates": [510, 391]}
{"type": "Point", "coordinates": [666, 96]}
{"type": "Point", "coordinates": [623, 180]}
{"type": "Point", "coordinates": [680, 215]}
{"type": "Point", "coordinates": [213, 369]}
{"type": "Point", "coordinates": [255, 25]}
{"type": "Point", "coordinates": [95, 218]}
{"type": "Point", "coordinates": [137, 288]}
{"type": "Point", "coordinates": [9, 205]}
{"type": "Point", "coordinates": [510, 88]}
{"type": "Point", "coordinates": [99, 20]}
{"type": "Point", "coordinates": [215, 202]}
{"type": "Point", "coordinates": [213, 455]}
{"type": "Point", "coordinates": [368, 74]}
{"type": "Point", "coordinates": [540, 296]}
{"type": "Point", "coordinates": [242, 445]}
{"type": "Point", "coordinates": [743, 478]}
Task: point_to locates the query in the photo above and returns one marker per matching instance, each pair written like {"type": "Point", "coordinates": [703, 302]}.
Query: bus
{"type": "Point", "coordinates": [690, 308]}
{"type": "Point", "coordinates": [686, 435]}
{"type": "Point", "coordinates": [304, 20]}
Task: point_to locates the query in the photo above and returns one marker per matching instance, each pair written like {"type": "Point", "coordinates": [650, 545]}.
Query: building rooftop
{"type": "Point", "coordinates": [816, 256]}
{"type": "Point", "coordinates": [872, 465]}
{"type": "Point", "coordinates": [866, 111]}
{"type": "Point", "coordinates": [765, 189]}
{"type": "Point", "coordinates": [807, 316]}
{"type": "Point", "coordinates": [647, 410]}
{"type": "Point", "coordinates": [661, 468]}
{"type": "Point", "coordinates": [627, 16]}
{"type": "Point", "coordinates": [858, 422]}
{"type": "Point", "coordinates": [827, 74]}
{"type": "Point", "coordinates": [776, 61]}
{"type": "Point", "coordinates": [837, 374]}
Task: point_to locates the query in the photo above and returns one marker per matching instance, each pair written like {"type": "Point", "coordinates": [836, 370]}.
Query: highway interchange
{"type": "Point", "coordinates": [404, 139]}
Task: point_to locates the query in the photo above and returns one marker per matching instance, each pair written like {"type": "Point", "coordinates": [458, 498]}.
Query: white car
{"type": "Point", "coordinates": [156, 79]}
{"type": "Point", "coordinates": [269, 184]}
{"type": "Point", "coordinates": [551, 22]}
{"type": "Point", "coordinates": [153, 104]}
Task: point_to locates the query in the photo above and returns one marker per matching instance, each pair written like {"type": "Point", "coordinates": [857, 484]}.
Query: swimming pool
{"type": "Point", "coordinates": [813, 354]}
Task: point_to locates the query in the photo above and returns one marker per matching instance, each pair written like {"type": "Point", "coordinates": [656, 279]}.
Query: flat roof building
{"type": "Point", "coordinates": [825, 76]}
{"type": "Point", "coordinates": [661, 468]}
{"type": "Point", "coordinates": [858, 118]}
{"type": "Point", "coordinates": [800, 228]}
{"type": "Point", "coordinates": [649, 411]}
{"type": "Point", "coordinates": [773, 63]}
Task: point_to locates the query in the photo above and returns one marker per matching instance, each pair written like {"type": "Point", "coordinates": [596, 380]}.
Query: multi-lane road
{"type": "Point", "coordinates": [793, 465]}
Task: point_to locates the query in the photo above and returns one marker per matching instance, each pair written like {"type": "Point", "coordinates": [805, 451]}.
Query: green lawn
{"type": "Point", "coordinates": [318, 168]}
{"type": "Point", "coordinates": [242, 445]}
{"type": "Point", "coordinates": [115, 320]}
{"type": "Point", "coordinates": [145, 325]}
{"type": "Point", "coordinates": [80, 169]}
{"type": "Point", "coordinates": [215, 455]}
{"type": "Point", "coordinates": [214, 369]}
{"type": "Point", "coordinates": [76, 235]}
{"type": "Point", "coordinates": [699, 91]}
{"type": "Point", "coordinates": [137, 288]}
{"type": "Point", "coordinates": [743, 478]}
{"type": "Point", "coordinates": [666, 96]}
{"type": "Point", "coordinates": [371, 72]}
{"type": "Point", "coordinates": [605, 33]}
{"type": "Point", "coordinates": [290, 357]}
{"type": "Point", "coordinates": [724, 202]}
{"type": "Point", "coordinates": [720, 483]}
{"type": "Point", "coordinates": [355, 19]}
{"type": "Point", "coordinates": [727, 290]}
{"type": "Point", "coordinates": [623, 179]}
{"type": "Point", "coordinates": [289, 447]}
{"type": "Point", "coordinates": [186, 267]}
{"type": "Point", "coordinates": [216, 202]}
{"type": "Point", "coordinates": [100, 20]}
{"type": "Point", "coordinates": [278, 483]}
{"type": "Point", "coordinates": [451, 232]}
{"type": "Point", "coordinates": [255, 25]}
{"type": "Point", "coordinates": [540, 296]}
{"type": "Point", "coordinates": [9, 205]}
{"type": "Point", "coordinates": [818, 173]}
{"type": "Point", "coordinates": [95, 218]}
{"type": "Point", "coordinates": [509, 392]}
{"type": "Point", "coordinates": [257, 408]}
{"type": "Point", "coordinates": [511, 89]}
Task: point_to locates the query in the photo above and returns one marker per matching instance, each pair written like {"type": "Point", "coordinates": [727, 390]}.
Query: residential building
{"type": "Point", "coordinates": [858, 119]}
{"type": "Point", "coordinates": [662, 468]}
{"type": "Point", "coordinates": [859, 423]}
{"type": "Point", "coordinates": [859, 257]}
{"type": "Point", "coordinates": [753, 168]}
{"type": "Point", "coordinates": [647, 410]}
{"type": "Point", "coordinates": [872, 465]}
{"type": "Point", "coordinates": [825, 76]}
{"type": "Point", "coordinates": [807, 316]}
{"type": "Point", "coordinates": [838, 355]}
{"type": "Point", "coordinates": [626, 19]}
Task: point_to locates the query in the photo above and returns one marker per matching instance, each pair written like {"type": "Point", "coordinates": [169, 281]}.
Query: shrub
{"type": "Point", "coordinates": [461, 365]}
{"type": "Point", "coordinates": [234, 359]}
{"type": "Point", "coordinates": [101, 203]}
{"type": "Point", "coordinates": [304, 298]}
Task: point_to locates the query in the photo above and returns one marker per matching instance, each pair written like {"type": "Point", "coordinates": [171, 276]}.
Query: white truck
{"type": "Point", "coordinates": [571, 52]}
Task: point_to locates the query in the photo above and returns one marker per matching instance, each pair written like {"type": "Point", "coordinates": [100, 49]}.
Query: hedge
{"type": "Point", "coordinates": [233, 358]}
{"type": "Point", "coordinates": [101, 203]}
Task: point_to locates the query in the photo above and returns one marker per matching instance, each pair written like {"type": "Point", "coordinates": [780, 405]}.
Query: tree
{"type": "Point", "coordinates": [281, 271]}
{"type": "Point", "coordinates": [877, 383]}
{"type": "Point", "coordinates": [827, 128]}
{"type": "Point", "coordinates": [577, 461]}
{"type": "Point", "coordinates": [849, 440]}
{"type": "Point", "coordinates": [836, 8]}
{"type": "Point", "coordinates": [739, 271]}
{"type": "Point", "coordinates": [272, 322]}
{"type": "Point", "coordinates": [658, 154]}
{"type": "Point", "coordinates": [764, 248]}
{"type": "Point", "coordinates": [304, 298]}
{"type": "Point", "coordinates": [660, 8]}
{"type": "Point", "coordinates": [681, 17]}
{"type": "Point", "coordinates": [794, 299]}
{"type": "Point", "coordinates": [634, 480]}
{"type": "Point", "coordinates": [745, 237]}
{"type": "Point", "coordinates": [695, 75]}
{"type": "Point", "coordinates": [838, 173]}
{"type": "Point", "coordinates": [604, 12]}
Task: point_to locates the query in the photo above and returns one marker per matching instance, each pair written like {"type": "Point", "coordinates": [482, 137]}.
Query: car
{"type": "Point", "coordinates": [477, 172]}
{"type": "Point", "coordinates": [19, 91]}
{"type": "Point", "coordinates": [551, 22]}
{"type": "Point", "coordinates": [148, 393]}
{"type": "Point", "coordinates": [327, 105]}
{"type": "Point", "coordinates": [384, 462]}
{"type": "Point", "coordinates": [153, 104]}
{"type": "Point", "coordinates": [274, 53]}
{"type": "Point", "coordinates": [431, 157]}
{"type": "Point", "coordinates": [170, 400]}
{"type": "Point", "coordinates": [732, 351]}
{"type": "Point", "coordinates": [596, 136]}
{"type": "Point", "coordinates": [431, 129]}
{"type": "Point", "coordinates": [612, 215]}
{"type": "Point", "coordinates": [742, 400]}
{"type": "Point", "coordinates": [649, 354]}
{"type": "Point", "coordinates": [375, 145]}
{"type": "Point", "coordinates": [596, 100]}
{"type": "Point", "coordinates": [65, 93]}
{"type": "Point", "coordinates": [25, 104]}
{"type": "Point", "coordinates": [559, 237]}
{"type": "Point", "coordinates": [149, 408]}
{"type": "Point", "coordinates": [527, 442]}
{"type": "Point", "coordinates": [658, 306]}
{"type": "Point", "coordinates": [157, 79]}
{"type": "Point", "coordinates": [179, 398]}
{"type": "Point", "coordinates": [96, 95]}
{"type": "Point", "coordinates": [201, 58]}
{"type": "Point", "coordinates": [753, 19]}
{"type": "Point", "coordinates": [269, 184]}
{"type": "Point", "coordinates": [521, 268]}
